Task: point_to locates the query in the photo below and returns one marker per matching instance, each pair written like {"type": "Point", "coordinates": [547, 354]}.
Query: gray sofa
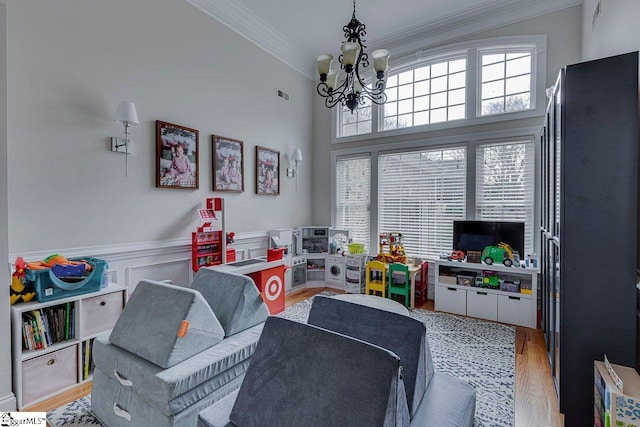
{"type": "Point", "coordinates": [174, 350]}
{"type": "Point", "coordinates": [350, 365]}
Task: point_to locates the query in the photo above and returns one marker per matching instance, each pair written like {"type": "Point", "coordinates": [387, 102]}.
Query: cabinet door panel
{"type": "Point", "coordinates": [515, 310]}
{"type": "Point", "coordinates": [452, 300]}
{"type": "Point", "coordinates": [483, 305]}
{"type": "Point", "coordinates": [49, 373]}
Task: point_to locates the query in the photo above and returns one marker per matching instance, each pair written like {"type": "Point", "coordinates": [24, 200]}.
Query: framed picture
{"type": "Point", "coordinates": [228, 164]}
{"type": "Point", "coordinates": [177, 156]}
{"type": "Point", "coordinates": [267, 171]}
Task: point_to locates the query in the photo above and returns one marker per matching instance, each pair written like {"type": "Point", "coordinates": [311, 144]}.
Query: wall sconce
{"type": "Point", "coordinates": [296, 157]}
{"type": "Point", "coordinates": [127, 115]}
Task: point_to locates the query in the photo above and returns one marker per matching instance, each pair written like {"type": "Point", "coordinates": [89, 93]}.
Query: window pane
{"type": "Point", "coordinates": [421, 103]}
{"type": "Point", "coordinates": [519, 66]}
{"type": "Point", "coordinates": [493, 106]}
{"type": "Point", "coordinates": [349, 130]}
{"type": "Point", "coordinates": [392, 94]}
{"type": "Point", "coordinates": [390, 123]}
{"type": "Point", "coordinates": [392, 81]}
{"type": "Point", "coordinates": [406, 77]}
{"type": "Point", "coordinates": [405, 91]}
{"type": "Point", "coordinates": [422, 73]}
{"type": "Point", "coordinates": [364, 113]}
{"type": "Point", "coordinates": [420, 195]}
{"type": "Point", "coordinates": [457, 80]}
{"type": "Point", "coordinates": [364, 127]}
{"type": "Point", "coordinates": [421, 118]}
{"type": "Point", "coordinates": [518, 102]}
{"type": "Point", "coordinates": [457, 65]}
{"type": "Point", "coordinates": [390, 108]}
{"type": "Point", "coordinates": [439, 84]}
{"type": "Point", "coordinates": [405, 121]}
{"type": "Point", "coordinates": [422, 88]}
{"type": "Point", "coordinates": [493, 89]}
{"type": "Point", "coordinates": [457, 112]}
{"type": "Point", "coordinates": [405, 106]}
{"type": "Point", "coordinates": [439, 100]}
{"type": "Point", "coordinates": [353, 197]}
{"type": "Point", "coordinates": [493, 72]}
{"type": "Point", "coordinates": [456, 97]}
{"type": "Point", "coordinates": [347, 117]}
{"type": "Point", "coordinates": [517, 55]}
{"type": "Point", "coordinates": [492, 59]}
{"type": "Point", "coordinates": [439, 115]}
{"type": "Point", "coordinates": [518, 84]}
{"type": "Point", "coordinates": [439, 69]}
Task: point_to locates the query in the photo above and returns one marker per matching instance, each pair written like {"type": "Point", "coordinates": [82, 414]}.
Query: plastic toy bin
{"type": "Point", "coordinates": [48, 287]}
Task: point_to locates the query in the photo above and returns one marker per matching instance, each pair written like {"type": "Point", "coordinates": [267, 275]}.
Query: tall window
{"type": "Point", "coordinates": [428, 94]}
{"type": "Point", "coordinates": [353, 197]}
{"type": "Point", "coordinates": [505, 184]}
{"type": "Point", "coordinates": [419, 195]}
{"type": "Point", "coordinates": [506, 81]}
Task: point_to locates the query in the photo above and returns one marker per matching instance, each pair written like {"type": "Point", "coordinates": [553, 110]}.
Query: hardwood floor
{"type": "Point", "coordinates": [535, 401]}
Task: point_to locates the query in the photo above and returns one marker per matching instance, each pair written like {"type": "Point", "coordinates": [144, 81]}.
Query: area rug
{"type": "Point", "coordinates": [480, 353]}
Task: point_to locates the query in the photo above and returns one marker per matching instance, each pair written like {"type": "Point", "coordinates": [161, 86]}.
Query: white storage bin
{"type": "Point", "coordinates": [481, 304]}
{"type": "Point", "coordinates": [49, 373]}
{"type": "Point", "coordinates": [355, 260]}
{"type": "Point", "coordinates": [354, 274]}
{"type": "Point", "coordinates": [451, 299]}
{"type": "Point", "coordinates": [100, 313]}
{"type": "Point", "coordinates": [515, 310]}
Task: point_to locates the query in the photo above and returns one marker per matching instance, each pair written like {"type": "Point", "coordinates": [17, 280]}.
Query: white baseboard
{"type": "Point", "coordinates": [8, 403]}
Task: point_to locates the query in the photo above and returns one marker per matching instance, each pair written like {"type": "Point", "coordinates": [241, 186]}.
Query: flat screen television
{"type": "Point", "coordinates": [475, 235]}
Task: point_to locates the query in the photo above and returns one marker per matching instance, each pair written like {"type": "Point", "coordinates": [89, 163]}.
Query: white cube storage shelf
{"type": "Point", "coordinates": [43, 373]}
{"type": "Point", "coordinates": [491, 304]}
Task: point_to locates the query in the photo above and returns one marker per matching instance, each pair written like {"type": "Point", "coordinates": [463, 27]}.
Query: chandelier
{"type": "Point", "coordinates": [352, 90]}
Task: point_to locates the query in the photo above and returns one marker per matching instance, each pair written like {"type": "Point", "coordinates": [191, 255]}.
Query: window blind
{"type": "Point", "coordinates": [353, 197]}
{"type": "Point", "coordinates": [505, 185]}
{"type": "Point", "coordinates": [419, 195]}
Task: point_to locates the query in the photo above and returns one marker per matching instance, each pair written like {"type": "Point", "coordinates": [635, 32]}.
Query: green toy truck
{"type": "Point", "coordinates": [498, 254]}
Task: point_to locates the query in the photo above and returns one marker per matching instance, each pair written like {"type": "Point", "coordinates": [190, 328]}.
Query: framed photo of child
{"type": "Point", "coordinates": [176, 156]}
{"type": "Point", "coordinates": [267, 171]}
{"type": "Point", "coordinates": [228, 164]}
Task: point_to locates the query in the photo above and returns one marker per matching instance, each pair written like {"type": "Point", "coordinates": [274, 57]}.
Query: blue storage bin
{"type": "Point", "coordinates": [48, 287]}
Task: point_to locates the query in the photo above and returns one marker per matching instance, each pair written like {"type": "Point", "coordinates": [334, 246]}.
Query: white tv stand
{"type": "Point", "coordinates": [515, 308]}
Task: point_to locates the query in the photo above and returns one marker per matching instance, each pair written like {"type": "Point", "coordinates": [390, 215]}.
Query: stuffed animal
{"type": "Point", "coordinates": [57, 259]}
{"type": "Point", "coordinates": [18, 290]}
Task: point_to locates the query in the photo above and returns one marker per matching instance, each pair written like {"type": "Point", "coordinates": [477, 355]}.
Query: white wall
{"type": "Point", "coordinates": [616, 31]}
{"type": "Point", "coordinates": [7, 400]}
{"type": "Point", "coordinates": [70, 62]}
{"type": "Point", "coordinates": [563, 31]}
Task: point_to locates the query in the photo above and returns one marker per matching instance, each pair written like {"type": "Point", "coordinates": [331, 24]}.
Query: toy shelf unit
{"type": "Point", "coordinates": [208, 242]}
{"type": "Point", "coordinates": [316, 264]}
{"type": "Point", "coordinates": [355, 271]}
{"type": "Point", "coordinates": [52, 341]}
{"type": "Point", "coordinates": [491, 292]}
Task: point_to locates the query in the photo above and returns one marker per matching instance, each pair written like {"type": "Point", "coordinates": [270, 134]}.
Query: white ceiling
{"type": "Point", "coordinates": [296, 31]}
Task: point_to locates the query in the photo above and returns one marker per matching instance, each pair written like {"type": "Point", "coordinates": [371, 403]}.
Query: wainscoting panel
{"type": "Point", "coordinates": [178, 271]}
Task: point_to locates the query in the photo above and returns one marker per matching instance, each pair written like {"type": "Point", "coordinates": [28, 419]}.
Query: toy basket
{"type": "Point", "coordinates": [356, 248]}
{"type": "Point", "coordinates": [49, 287]}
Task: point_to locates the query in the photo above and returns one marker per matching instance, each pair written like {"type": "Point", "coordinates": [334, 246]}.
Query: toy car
{"type": "Point", "coordinates": [456, 256]}
{"type": "Point", "coordinates": [498, 254]}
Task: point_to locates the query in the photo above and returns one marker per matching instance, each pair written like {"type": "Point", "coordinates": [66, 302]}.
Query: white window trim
{"type": "Point", "coordinates": [470, 140]}
{"type": "Point", "coordinates": [413, 59]}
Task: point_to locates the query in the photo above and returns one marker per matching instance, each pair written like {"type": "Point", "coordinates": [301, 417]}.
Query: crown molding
{"type": "Point", "coordinates": [486, 16]}
{"type": "Point", "coordinates": [256, 30]}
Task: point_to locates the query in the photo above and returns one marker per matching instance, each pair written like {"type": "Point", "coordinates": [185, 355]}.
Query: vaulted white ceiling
{"type": "Point", "coordinates": [296, 31]}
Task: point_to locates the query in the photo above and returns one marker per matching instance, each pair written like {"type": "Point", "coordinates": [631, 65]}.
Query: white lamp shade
{"type": "Point", "coordinates": [350, 52]}
{"type": "Point", "coordinates": [357, 86]}
{"type": "Point", "coordinates": [296, 156]}
{"type": "Point", "coordinates": [332, 79]}
{"type": "Point", "coordinates": [126, 112]}
{"type": "Point", "coordinates": [380, 59]}
{"type": "Point", "coordinates": [324, 63]}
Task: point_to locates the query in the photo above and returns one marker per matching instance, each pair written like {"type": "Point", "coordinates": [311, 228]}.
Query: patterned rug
{"type": "Point", "coordinates": [480, 353]}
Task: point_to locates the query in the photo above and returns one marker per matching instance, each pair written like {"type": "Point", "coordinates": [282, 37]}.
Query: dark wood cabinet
{"type": "Point", "coordinates": [589, 222]}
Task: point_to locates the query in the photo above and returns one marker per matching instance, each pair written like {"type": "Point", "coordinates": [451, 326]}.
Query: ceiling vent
{"type": "Point", "coordinates": [284, 95]}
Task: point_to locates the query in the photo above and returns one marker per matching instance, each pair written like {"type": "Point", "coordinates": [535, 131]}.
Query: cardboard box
{"type": "Point", "coordinates": [621, 407]}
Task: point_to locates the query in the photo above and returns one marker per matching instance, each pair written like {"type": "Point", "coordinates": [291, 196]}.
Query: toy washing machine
{"type": "Point", "coordinates": [335, 270]}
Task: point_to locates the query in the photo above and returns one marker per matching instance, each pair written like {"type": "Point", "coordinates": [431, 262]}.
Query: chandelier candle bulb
{"type": "Point", "coordinates": [324, 65]}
